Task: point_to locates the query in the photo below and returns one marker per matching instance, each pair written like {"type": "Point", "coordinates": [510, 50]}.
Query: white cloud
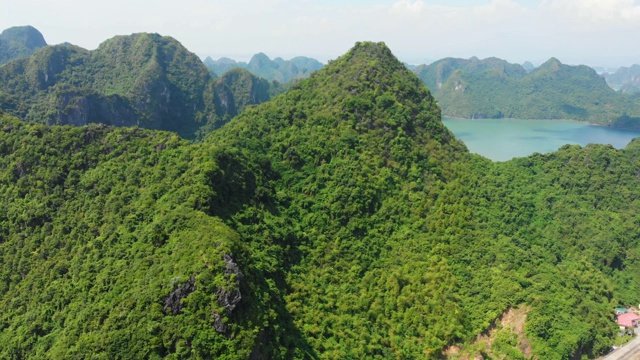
{"type": "Point", "coordinates": [597, 11]}
{"type": "Point", "coordinates": [587, 31]}
{"type": "Point", "coordinates": [407, 7]}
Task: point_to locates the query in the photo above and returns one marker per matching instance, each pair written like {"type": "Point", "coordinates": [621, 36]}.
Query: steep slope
{"type": "Point", "coordinates": [111, 246]}
{"type": "Point", "coordinates": [400, 243]}
{"type": "Point", "coordinates": [261, 65]}
{"type": "Point", "coordinates": [436, 75]}
{"type": "Point", "coordinates": [239, 88]}
{"type": "Point", "coordinates": [352, 144]}
{"type": "Point", "coordinates": [493, 88]}
{"type": "Point", "coordinates": [19, 42]}
{"type": "Point", "coordinates": [141, 80]}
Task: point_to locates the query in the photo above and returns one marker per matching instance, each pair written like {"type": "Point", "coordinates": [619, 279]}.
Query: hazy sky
{"type": "Point", "coordinates": [592, 32]}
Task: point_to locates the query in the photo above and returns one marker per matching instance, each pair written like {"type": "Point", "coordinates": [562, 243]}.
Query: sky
{"type": "Point", "coordinates": [592, 32]}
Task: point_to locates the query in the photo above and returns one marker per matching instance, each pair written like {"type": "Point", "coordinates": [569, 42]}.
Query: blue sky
{"type": "Point", "coordinates": [592, 32]}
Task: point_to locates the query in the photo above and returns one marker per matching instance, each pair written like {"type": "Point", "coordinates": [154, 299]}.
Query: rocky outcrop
{"type": "Point", "coordinates": [79, 109]}
{"type": "Point", "coordinates": [172, 301]}
{"type": "Point", "coordinates": [228, 298]}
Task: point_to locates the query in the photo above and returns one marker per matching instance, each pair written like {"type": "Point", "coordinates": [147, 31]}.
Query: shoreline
{"type": "Point", "coordinates": [559, 120]}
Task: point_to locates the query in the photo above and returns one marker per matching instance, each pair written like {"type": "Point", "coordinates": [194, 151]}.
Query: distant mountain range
{"type": "Point", "coordinates": [261, 65]}
{"type": "Point", "coordinates": [154, 82]}
{"type": "Point", "coordinates": [625, 79]}
{"type": "Point", "coordinates": [494, 88]}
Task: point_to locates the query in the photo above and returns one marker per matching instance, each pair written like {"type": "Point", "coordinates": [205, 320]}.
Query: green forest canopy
{"type": "Point", "coordinates": [338, 220]}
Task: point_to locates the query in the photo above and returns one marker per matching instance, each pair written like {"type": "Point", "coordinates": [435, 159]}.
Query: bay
{"type": "Point", "coordinates": [504, 139]}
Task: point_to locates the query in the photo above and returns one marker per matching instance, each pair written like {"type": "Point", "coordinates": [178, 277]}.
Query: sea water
{"type": "Point", "coordinates": [504, 139]}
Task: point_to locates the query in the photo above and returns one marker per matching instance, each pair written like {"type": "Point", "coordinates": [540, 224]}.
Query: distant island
{"type": "Point", "coordinates": [261, 65]}
{"type": "Point", "coordinates": [494, 88]}
{"type": "Point", "coordinates": [625, 79]}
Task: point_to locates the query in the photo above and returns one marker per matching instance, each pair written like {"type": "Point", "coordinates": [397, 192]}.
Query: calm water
{"type": "Point", "coordinates": [501, 140]}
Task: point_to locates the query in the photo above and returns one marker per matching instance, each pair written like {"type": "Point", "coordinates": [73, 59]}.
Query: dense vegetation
{"type": "Point", "coordinates": [111, 246]}
{"type": "Point", "coordinates": [19, 42]}
{"type": "Point", "coordinates": [238, 88]}
{"type": "Point", "coordinates": [338, 220]}
{"type": "Point", "coordinates": [494, 88]}
{"type": "Point", "coordinates": [283, 71]}
{"type": "Point", "coordinates": [141, 80]}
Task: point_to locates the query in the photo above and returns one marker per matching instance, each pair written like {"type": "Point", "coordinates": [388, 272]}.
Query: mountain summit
{"type": "Point", "coordinates": [351, 144]}
{"type": "Point", "coordinates": [19, 41]}
{"type": "Point", "coordinates": [365, 99]}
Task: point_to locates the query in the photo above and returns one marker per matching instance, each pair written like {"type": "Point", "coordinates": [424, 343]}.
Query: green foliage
{"type": "Point", "coordinates": [493, 88]}
{"type": "Point", "coordinates": [99, 225]}
{"type": "Point", "coordinates": [19, 42]}
{"type": "Point", "coordinates": [141, 80]}
{"type": "Point", "coordinates": [361, 228]}
{"type": "Point", "coordinates": [378, 192]}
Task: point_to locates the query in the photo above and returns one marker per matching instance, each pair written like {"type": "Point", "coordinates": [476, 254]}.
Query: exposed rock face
{"type": "Point", "coordinates": [218, 324]}
{"type": "Point", "coordinates": [172, 301]}
{"type": "Point", "coordinates": [228, 298]}
{"type": "Point", "coordinates": [78, 109]}
{"type": "Point", "coordinates": [237, 89]}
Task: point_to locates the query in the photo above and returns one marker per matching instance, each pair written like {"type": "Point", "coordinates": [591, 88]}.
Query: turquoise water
{"type": "Point", "coordinates": [504, 139]}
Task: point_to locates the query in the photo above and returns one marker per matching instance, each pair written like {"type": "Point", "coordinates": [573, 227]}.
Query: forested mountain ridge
{"type": "Point", "coordinates": [436, 74]}
{"type": "Point", "coordinates": [280, 70]}
{"type": "Point", "coordinates": [491, 88]}
{"type": "Point", "coordinates": [340, 219]}
{"type": "Point", "coordinates": [144, 80]}
{"type": "Point", "coordinates": [19, 42]}
{"type": "Point", "coordinates": [112, 245]}
{"type": "Point", "coordinates": [494, 88]}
